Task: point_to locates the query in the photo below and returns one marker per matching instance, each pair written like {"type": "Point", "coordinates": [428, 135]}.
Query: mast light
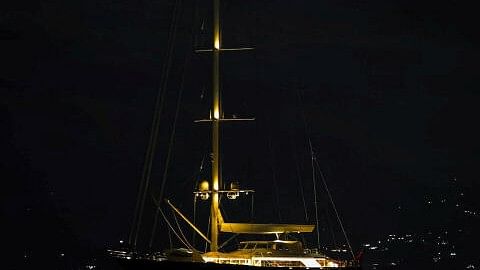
{"type": "Point", "coordinates": [204, 188]}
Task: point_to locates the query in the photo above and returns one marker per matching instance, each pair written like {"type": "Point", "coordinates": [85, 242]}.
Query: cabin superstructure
{"type": "Point", "coordinates": [276, 253]}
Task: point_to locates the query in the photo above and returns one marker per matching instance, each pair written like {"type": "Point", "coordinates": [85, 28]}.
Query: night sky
{"type": "Point", "coordinates": [388, 96]}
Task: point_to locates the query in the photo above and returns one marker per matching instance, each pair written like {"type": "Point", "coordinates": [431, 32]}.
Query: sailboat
{"type": "Point", "coordinates": [280, 251]}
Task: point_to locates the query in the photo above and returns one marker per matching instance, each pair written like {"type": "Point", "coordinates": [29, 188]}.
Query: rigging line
{"type": "Point", "coordinates": [228, 240]}
{"type": "Point", "coordinates": [172, 136]}
{"type": "Point", "coordinates": [307, 132]}
{"type": "Point", "coordinates": [298, 174]}
{"type": "Point", "coordinates": [302, 110]}
{"type": "Point", "coordinates": [202, 163]}
{"type": "Point", "coordinates": [185, 242]}
{"type": "Point", "coordinates": [315, 193]}
{"type": "Point", "coordinates": [196, 184]}
{"type": "Point", "coordinates": [334, 208]}
{"type": "Point", "coordinates": [149, 155]}
{"type": "Point", "coordinates": [297, 166]}
{"type": "Point", "coordinates": [330, 228]}
{"type": "Point", "coordinates": [208, 233]}
{"type": "Point", "coordinates": [181, 232]}
{"type": "Point", "coordinates": [170, 145]}
{"type": "Point", "coordinates": [194, 217]}
{"type": "Point", "coordinates": [170, 238]}
{"type": "Point", "coordinates": [171, 227]}
{"type": "Point", "coordinates": [198, 175]}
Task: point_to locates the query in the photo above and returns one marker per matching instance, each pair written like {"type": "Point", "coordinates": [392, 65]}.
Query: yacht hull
{"type": "Point", "coordinates": [143, 264]}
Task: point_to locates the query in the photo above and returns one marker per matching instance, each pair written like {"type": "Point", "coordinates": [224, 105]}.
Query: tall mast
{"type": "Point", "coordinates": [217, 113]}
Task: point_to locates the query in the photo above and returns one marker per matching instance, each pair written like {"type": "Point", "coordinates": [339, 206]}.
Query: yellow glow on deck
{"type": "Point", "coordinates": [217, 43]}
{"type": "Point", "coordinates": [332, 264]}
{"type": "Point", "coordinates": [216, 114]}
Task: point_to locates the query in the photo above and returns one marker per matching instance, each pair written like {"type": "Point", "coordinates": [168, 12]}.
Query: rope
{"type": "Point", "coordinates": [315, 193]}
{"type": "Point", "coordinates": [170, 239]}
{"type": "Point", "coordinates": [228, 240]}
{"type": "Point", "coordinates": [181, 232]}
{"type": "Point", "coordinates": [208, 233]}
{"type": "Point", "coordinates": [172, 135]}
{"type": "Point", "coordinates": [170, 147]}
{"type": "Point", "coordinates": [314, 160]}
{"type": "Point", "coordinates": [197, 177]}
{"type": "Point", "coordinates": [307, 132]}
{"type": "Point", "coordinates": [181, 239]}
{"type": "Point", "coordinates": [155, 126]}
{"type": "Point", "coordinates": [172, 229]}
{"type": "Point", "coordinates": [194, 217]}
{"type": "Point", "coordinates": [299, 177]}
{"type": "Point", "coordinates": [334, 208]}
{"type": "Point", "coordinates": [330, 228]}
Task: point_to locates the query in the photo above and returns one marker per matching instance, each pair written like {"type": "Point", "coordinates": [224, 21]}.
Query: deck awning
{"type": "Point", "coordinates": [249, 228]}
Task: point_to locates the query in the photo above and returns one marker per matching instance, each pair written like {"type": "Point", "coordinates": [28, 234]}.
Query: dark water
{"type": "Point", "coordinates": [370, 262]}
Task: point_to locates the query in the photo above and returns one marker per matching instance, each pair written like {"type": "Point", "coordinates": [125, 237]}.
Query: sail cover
{"type": "Point", "coordinates": [249, 228]}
